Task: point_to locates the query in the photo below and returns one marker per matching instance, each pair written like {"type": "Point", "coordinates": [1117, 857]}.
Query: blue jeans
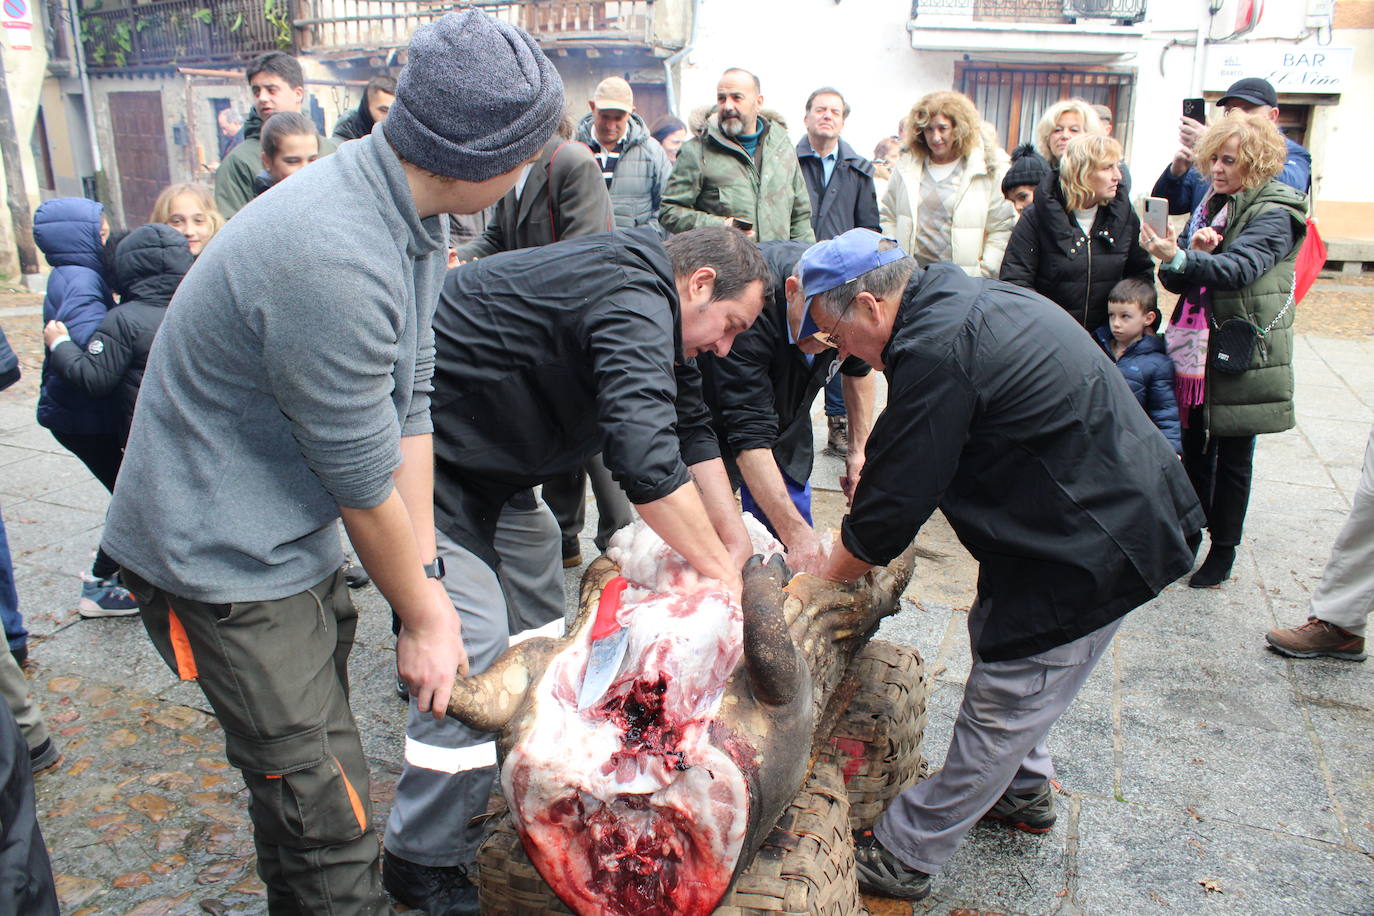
{"type": "Point", "coordinates": [801, 498]}
{"type": "Point", "coordinates": [9, 597]}
{"type": "Point", "coordinates": [834, 397]}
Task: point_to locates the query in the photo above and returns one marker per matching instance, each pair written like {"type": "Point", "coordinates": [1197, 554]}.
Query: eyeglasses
{"type": "Point", "coordinates": [827, 338]}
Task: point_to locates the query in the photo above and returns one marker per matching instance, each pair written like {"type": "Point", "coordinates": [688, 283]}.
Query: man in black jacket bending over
{"type": "Point", "coordinates": [760, 398]}
{"type": "Point", "coordinates": [542, 358]}
{"type": "Point", "coordinates": [1004, 415]}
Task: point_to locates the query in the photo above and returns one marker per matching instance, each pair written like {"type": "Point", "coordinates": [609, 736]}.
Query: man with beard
{"type": "Point", "coordinates": [741, 171]}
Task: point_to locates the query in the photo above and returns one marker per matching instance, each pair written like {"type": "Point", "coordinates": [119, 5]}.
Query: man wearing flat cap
{"type": "Point", "coordinates": [1003, 414]}
{"type": "Point", "coordinates": [289, 388]}
{"type": "Point", "coordinates": [1184, 187]}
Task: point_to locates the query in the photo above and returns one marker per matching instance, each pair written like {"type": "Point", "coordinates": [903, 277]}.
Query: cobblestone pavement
{"type": "Point", "coordinates": [1200, 773]}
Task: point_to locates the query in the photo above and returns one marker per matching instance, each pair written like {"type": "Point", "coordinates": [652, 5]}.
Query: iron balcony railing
{"type": "Point", "coordinates": [164, 33]}
{"type": "Point", "coordinates": [326, 25]}
{"type": "Point", "coordinates": [1053, 11]}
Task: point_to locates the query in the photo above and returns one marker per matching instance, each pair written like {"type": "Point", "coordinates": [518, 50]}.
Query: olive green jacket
{"type": "Point", "coordinates": [1245, 281]}
{"type": "Point", "coordinates": [714, 178]}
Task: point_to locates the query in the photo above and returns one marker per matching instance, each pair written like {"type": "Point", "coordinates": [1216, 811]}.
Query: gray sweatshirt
{"type": "Point", "coordinates": [293, 358]}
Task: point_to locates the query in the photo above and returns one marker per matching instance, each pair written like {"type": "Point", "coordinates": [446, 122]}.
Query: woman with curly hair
{"type": "Point", "coordinates": [944, 200]}
{"type": "Point", "coordinates": [1235, 260]}
{"type": "Point", "coordinates": [1080, 235]}
{"type": "Point", "coordinates": [189, 208]}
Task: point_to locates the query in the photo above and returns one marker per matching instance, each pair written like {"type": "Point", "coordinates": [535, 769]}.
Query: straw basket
{"type": "Point", "coordinates": [876, 741]}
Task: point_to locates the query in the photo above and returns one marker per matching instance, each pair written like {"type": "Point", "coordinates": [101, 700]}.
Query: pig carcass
{"type": "Point", "coordinates": [650, 801]}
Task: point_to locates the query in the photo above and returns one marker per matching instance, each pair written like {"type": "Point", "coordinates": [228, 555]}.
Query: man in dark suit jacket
{"type": "Point", "coordinates": [840, 182]}
{"type": "Point", "coordinates": [562, 195]}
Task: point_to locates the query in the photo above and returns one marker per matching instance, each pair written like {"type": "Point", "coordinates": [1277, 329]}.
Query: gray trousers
{"type": "Point", "coordinates": [15, 689]}
{"type": "Point", "coordinates": [1345, 595]}
{"type": "Point", "coordinates": [450, 768]}
{"type": "Point", "coordinates": [998, 744]}
{"type": "Point", "coordinates": [567, 497]}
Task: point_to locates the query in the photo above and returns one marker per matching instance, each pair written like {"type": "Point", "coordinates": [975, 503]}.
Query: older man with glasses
{"type": "Point", "coordinates": [1002, 414]}
{"type": "Point", "coordinates": [760, 398]}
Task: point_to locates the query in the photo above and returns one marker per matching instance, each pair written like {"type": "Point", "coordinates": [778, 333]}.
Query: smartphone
{"type": "Point", "coordinates": [1195, 109]}
{"type": "Point", "coordinates": [1157, 215]}
{"type": "Point", "coordinates": [743, 225]}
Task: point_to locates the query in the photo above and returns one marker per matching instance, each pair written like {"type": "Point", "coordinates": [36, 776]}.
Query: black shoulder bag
{"type": "Point", "coordinates": [1234, 341]}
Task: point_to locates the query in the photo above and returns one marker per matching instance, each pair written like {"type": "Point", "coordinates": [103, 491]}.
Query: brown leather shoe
{"type": "Point", "coordinates": [1317, 637]}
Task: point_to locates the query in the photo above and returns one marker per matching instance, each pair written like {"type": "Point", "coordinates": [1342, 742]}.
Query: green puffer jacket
{"type": "Point", "coordinates": [1250, 276]}
{"type": "Point", "coordinates": [715, 178]}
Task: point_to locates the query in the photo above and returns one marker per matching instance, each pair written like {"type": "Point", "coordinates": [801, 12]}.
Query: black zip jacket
{"type": "Point", "coordinates": [546, 356]}
{"type": "Point", "coordinates": [1049, 253]}
{"type": "Point", "coordinates": [760, 395]}
{"type": "Point", "coordinates": [1014, 423]}
{"type": "Point", "coordinates": [150, 263]}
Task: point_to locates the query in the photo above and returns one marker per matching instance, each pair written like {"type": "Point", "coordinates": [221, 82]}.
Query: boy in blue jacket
{"type": "Point", "coordinates": [1129, 339]}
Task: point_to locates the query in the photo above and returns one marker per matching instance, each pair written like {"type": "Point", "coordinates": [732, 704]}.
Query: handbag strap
{"type": "Point", "coordinates": [1283, 311]}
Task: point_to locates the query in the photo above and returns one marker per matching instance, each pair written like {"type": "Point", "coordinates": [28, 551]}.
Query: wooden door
{"type": "Point", "coordinates": [140, 142]}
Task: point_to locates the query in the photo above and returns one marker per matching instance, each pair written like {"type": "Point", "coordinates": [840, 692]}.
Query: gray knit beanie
{"type": "Point", "coordinates": [477, 98]}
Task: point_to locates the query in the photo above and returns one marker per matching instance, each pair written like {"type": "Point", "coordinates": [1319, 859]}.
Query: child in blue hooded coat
{"type": "Point", "coordinates": [1129, 339]}
{"type": "Point", "coordinates": [71, 231]}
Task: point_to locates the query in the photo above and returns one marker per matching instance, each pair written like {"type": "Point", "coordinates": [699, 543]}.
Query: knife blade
{"type": "Point", "coordinates": [607, 645]}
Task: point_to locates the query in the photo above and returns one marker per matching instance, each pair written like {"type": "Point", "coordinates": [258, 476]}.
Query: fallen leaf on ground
{"type": "Point", "coordinates": [1210, 885]}
{"type": "Point", "coordinates": [153, 807]}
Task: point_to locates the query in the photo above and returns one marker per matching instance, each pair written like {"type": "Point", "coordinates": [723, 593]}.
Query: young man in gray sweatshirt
{"type": "Point", "coordinates": [289, 387]}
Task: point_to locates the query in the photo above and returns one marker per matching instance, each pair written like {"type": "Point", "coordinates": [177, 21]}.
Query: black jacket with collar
{"type": "Point", "coordinates": [1049, 253]}
{"type": "Point", "coordinates": [546, 356]}
{"type": "Point", "coordinates": [848, 200]}
{"type": "Point", "coordinates": [150, 263]}
{"type": "Point", "coordinates": [1013, 422]}
{"type": "Point", "coordinates": [761, 394]}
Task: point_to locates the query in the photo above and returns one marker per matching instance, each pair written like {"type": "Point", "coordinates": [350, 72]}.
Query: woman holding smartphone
{"type": "Point", "coordinates": [1235, 260]}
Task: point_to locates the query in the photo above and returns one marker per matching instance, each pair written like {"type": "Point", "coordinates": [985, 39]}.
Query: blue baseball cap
{"type": "Point", "coordinates": [834, 262]}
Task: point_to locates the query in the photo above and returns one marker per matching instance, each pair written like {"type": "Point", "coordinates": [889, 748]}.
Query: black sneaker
{"type": "Point", "coordinates": [355, 576]}
{"type": "Point", "coordinates": [1031, 811]}
{"type": "Point", "coordinates": [44, 757]}
{"type": "Point", "coordinates": [880, 872]}
{"type": "Point", "coordinates": [438, 890]}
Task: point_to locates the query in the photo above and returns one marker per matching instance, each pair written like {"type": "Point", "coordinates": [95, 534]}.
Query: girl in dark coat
{"type": "Point", "coordinates": [71, 231]}
{"type": "Point", "coordinates": [150, 263]}
{"type": "Point", "coordinates": [1081, 235]}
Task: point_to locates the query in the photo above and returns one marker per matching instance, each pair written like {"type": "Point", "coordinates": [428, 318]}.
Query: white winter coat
{"type": "Point", "coordinates": [982, 217]}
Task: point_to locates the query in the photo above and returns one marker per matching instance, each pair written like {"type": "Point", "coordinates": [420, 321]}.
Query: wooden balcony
{"type": "Point", "coordinates": [163, 33]}
{"type": "Point", "coordinates": [336, 26]}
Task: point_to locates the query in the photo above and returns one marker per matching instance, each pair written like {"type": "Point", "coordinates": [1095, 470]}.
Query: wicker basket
{"type": "Point", "coordinates": [804, 868]}
{"type": "Point", "coordinates": [876, 741]}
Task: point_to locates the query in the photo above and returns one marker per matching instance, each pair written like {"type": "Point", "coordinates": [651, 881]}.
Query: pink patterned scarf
{"type": "Point", "coordinates": [1187, 334]}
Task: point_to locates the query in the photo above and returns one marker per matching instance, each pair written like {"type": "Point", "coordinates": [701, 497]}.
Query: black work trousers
{"type": "Point", "coordinates": [1220, 469]}
{"type": "Point", "coordinates": [101, 454]}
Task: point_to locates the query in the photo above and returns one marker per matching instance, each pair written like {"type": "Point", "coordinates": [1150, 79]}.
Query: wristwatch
{"type": "Point", "coordinates": [434, 570]}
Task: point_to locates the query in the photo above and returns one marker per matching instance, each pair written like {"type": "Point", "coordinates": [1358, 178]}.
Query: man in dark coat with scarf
{"type": "Point", "coordinates": [378, 95]}
{"type": "Point", "coordinates": [1004, 415]}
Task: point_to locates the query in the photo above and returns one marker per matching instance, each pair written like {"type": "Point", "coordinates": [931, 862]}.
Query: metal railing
{"type": "Point", "coordinates": [185, 32]}
{"type": "Point", "coordinates": [1058, 11]}
{"type": "Point", "coordinates": [343, 24]}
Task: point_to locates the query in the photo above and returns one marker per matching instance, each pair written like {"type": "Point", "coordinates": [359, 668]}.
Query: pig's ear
{"type": "Point", "coordinates": [488, 701]}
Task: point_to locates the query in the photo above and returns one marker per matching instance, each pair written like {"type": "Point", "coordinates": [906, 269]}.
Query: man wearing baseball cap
{"type": "Point", "coordinates": [289, 388]}
{"type": "Point", "coordinates": [1003, 414]}
{"type": "Point", "coordinates": [1185, 187]}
